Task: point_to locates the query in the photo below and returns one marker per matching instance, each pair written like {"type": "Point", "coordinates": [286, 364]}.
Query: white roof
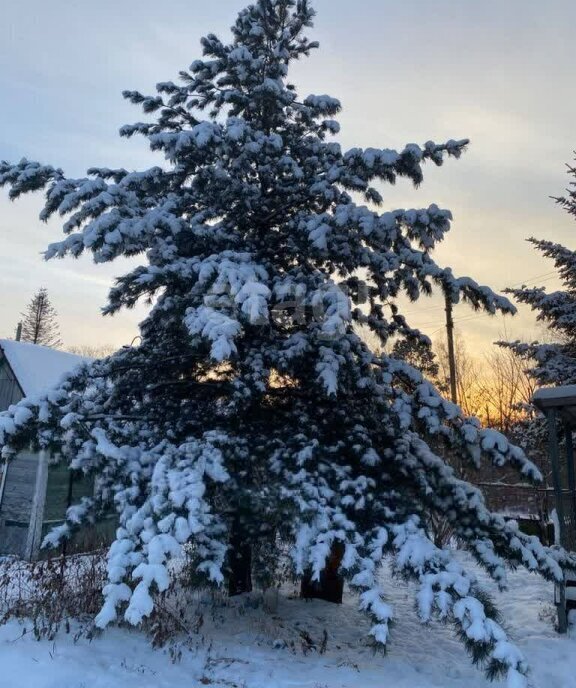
{"type": "Point", "coordinates": [555, 396]}
{"type": "Point", "coordinates": [38, 368]}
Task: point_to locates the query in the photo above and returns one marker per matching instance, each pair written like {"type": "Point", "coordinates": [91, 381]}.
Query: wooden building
{"type": "Point", "coordinates": [34, 490]}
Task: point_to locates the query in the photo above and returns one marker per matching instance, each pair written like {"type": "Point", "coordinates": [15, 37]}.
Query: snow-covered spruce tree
{"type": "Point", "coordinates": [252, 413]}
{"type": "Point", "coordinates": [553, 363]}
{"type": "Point", "coordinates": [39, 324]}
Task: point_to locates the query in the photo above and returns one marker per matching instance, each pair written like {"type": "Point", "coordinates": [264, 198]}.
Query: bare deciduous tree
{"type": "Point", "coordinates": [505, 389]}
{"type": "Point", "coordinates": [92, 350]}
{"type": "Point", "coordinates": [467, 374]}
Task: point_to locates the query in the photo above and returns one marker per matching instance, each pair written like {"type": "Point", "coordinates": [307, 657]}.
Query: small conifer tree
{"type": "Point", "coordinates": [39, 324]}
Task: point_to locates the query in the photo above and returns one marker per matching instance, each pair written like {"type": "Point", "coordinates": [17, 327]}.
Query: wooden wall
{"type": "Point", "coordinates": [10, 392]}
{"type": "Point", "coordinates": [20, 480]}
{"type": "Point", "coordinates": [33, 501]}
{"type": "Point", "coordinates": [16, 505]}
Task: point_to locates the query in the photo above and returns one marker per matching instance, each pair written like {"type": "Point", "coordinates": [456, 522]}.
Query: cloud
{"type": "Point", "coordinates": [499, 73]}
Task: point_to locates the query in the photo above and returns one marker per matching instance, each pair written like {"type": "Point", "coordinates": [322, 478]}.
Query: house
{"type": "Point", "coordinates": [34, 494]}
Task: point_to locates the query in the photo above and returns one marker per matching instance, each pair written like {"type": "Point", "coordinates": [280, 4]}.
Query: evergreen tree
{"type": "Point", "coordinates": [39, 324]}
{"type": "Point", "coordinates": [553, 363]}
{"type": "Point", "coordinates": [420, 355]}
{"type": "Point", "coordinates": [251, 414]}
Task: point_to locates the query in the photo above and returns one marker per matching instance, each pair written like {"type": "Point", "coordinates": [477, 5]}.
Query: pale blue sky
{"type": "Point", "coordinates": [500, 72]}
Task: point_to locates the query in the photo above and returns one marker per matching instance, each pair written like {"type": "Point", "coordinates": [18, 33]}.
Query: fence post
{"type": "Point", "coordinates": [571, 487]}
{"type": "Point", "coordinates": [551, 415]}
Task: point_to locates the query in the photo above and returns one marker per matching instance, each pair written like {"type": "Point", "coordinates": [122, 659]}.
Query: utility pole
{"type": "Point", "coordinates": [459, 461]}
{"type": "Point", "coordinates": [451, 356]}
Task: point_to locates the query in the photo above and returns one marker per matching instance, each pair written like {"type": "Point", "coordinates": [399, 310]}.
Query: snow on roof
{"type": "Point", "coordinates": [547, 397]}
{"type": "Point", "coordinates": [38, 368]}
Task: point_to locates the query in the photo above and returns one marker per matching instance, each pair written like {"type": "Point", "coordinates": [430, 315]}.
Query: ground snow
{"type": "Point", "coordinates": [242, 646]}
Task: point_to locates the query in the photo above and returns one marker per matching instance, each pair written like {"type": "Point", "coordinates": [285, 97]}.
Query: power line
{"type": "Point", "coordinates": [457, 320]}
{"type": "Point", "coordinates": [549, 275]}
{"type": "Point", "coordinates": [431, 323]}
{"type": "Point", "coordinates": [531, 279]}
{"type": "Point", "coordinates": [543, 277]}
{"type": "Point", "coordinates": [419, 310]}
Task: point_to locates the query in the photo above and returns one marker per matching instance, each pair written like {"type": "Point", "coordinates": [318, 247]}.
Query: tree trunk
{"type": "Point", "coordinates": [239, 562]}
{"type": "Point", "coordinates": [330, 587]}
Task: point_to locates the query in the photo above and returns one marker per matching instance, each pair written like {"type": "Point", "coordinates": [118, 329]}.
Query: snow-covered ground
{"type": "Point", "coordinates": [240, 645]}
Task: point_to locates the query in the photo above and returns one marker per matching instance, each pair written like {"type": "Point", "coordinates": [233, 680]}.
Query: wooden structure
{"type": "Point", "coordinates": [33, 494]}
{"type": "Point", "coordinates": [559, 406]}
